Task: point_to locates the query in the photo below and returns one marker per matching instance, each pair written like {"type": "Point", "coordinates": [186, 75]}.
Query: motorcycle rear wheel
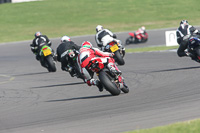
{"type": "Point", "coordinates": [51, 64]}
{"type": "Point", "coordinates": [108, 84]}
{"type": "Point", "coordinates": [118, 58]}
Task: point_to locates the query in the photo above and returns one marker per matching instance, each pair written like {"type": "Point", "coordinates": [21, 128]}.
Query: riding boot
{"type": "Point", "coordinates": [95, 82]}
{"type": "Point", "coordinates": [113, 68]}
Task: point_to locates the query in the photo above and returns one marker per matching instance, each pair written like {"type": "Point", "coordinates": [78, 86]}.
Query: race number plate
{"type": "Point", "coordinates": [114, 48]}
{"type": "Point", "coordinates": [47, 52]}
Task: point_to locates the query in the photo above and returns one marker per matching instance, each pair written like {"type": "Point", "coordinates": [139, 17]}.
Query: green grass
{"type": "Point", "coordinates": [80, 17]}
{"type": "Point", "coordinates": [181, 127]}
{"type": "Point", "coordinates": [149, 49]}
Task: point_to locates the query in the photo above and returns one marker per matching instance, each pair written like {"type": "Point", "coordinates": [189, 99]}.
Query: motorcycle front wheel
{"type": "Point", "coordinates": [125, 89]}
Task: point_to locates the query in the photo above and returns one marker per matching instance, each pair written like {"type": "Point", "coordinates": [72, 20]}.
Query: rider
{"type": "Point", "coordinates": [140, 33]}
{"type": "Point", "coordinates": [35, 43]}
{"type": "Point", "coordinates": [104, 36]}
{"type": "Point", "coordinates": [66, 44]}
{"type": "Point", "coordinates": [184, 30]}
{"type": "Point", "coordinates": [86, 54]}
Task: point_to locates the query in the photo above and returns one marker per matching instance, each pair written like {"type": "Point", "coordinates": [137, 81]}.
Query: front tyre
{"type": "Point", "coordinates": [125, 89]}
{"type": "Point", "coordinates": [118, 58]}
{"type": "Point", "coordinates": [109, 83]}
{"type": "Point", "coordinates": [128, 41]}
{"type": "Point", "coordinates": [51, 64]}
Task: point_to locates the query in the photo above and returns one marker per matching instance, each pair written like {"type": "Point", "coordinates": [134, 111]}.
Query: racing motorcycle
{"type": "Point", "coordinates": [112, 82]}
{"type": "Point", "coordinates": [134, 38]}
{"type": "Point", "coordinates": [118, 51]}
{"type": "Point", "coordinates": [47, 57]}
{"type": "Point", "coordinates": [194, 45]}
{"type": "Point", "coordinates": [73, 62]}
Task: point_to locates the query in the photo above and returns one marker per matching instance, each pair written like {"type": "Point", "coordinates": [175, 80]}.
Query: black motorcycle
{"type": "Point", "coordinates": [46, 56]}
{"type": "Point", "coordinates": [71, 57]}
{"type": "Point", "coordinates": [118, 50]}
{"type": "Point", "coordinates": [194, 45]}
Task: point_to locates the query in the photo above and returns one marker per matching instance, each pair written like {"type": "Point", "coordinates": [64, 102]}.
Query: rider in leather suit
{"type": "Point", "coordinates": [38, 38]}
{"type": "Point", "coordinates": [104, 36]}
{"type": "Point", "coordinates": [66, 44]}
{"type": "Point", "coordinates": [183, 30]}
{"type": "Point", "coordinates": [86, 54]}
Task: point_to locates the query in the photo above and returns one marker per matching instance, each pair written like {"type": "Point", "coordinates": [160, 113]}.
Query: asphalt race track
{"type": "Point", "coordinates": [163, 89]}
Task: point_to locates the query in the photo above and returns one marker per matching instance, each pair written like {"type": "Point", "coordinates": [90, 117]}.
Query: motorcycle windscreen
{"type": "Point", "coordinates": [114, 48]}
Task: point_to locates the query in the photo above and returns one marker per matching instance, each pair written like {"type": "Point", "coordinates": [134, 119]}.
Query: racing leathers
{"type": "Point", "coordinates": [36, 41]}
{"type": "Point", "coordinates": [88, 54]}
{"type": "Point", "coordinates": [183, 33]}
{"type": "Point", "coordinates": [62, 51]}
{"type": "Point", "coordinates": [105, 36]}
{"type": "Point", "coordinates": [35, 47]}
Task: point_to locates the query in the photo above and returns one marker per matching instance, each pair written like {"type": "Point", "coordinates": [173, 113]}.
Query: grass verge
{"type": "Point", "coordinates": [149, 49]}
{"type": "Point", "coordinates": [56, 18]}
{"type": "Point", "coordinates": [181, 127]}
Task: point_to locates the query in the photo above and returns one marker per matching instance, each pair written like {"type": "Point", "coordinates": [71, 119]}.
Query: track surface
{"type": "Point", "coordinates": [163, 89]}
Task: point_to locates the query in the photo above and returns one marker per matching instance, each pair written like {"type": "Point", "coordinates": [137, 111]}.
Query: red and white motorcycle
{"type": "Point", "coordinates": [137, 37]}
{"type": "Point", "coordinates": [112, 82]}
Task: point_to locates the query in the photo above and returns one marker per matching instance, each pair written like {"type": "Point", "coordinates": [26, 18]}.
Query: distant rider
{"type": "Point", "coordinates": [36, 41]}
{"type": "Point", "coordinates": [104, 36]}
{"type": "Point", "coordinates": [66, 44]}
{"type": "Point", "coordinates": [140, 33]}
{"type": "Point", "coordinates": [183, 31]}
{"type": "Point", "coordinates": [86, 54]}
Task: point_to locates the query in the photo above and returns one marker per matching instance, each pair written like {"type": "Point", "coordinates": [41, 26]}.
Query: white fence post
{"type": "Point", "coordinates": [171, 39]}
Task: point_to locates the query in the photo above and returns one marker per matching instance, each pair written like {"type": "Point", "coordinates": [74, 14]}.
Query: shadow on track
{"type": "Point", "coordinates": [27, 74]}
{"type": "Point", "coordinates": [59, 85]}
{"type": "Point", "coordinates": [176, 69]}
{"type": "Point", "coordinates": [78, 98]}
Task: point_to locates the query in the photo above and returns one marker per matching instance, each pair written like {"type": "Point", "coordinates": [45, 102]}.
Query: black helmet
{"type": "Point", "coordinates": [185, 22]}
{"type": "Point", "coordinates": [38, 33]}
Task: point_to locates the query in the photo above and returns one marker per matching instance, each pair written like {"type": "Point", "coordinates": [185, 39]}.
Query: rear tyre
{"type": "Point", "coordinates": [51, 64]}
{"type": "Point", "coordinates": [198, 51]}
{"type": "Point", "coordinates": [108, 84]}
{"type": "Point", "coordinates": [118, 58]}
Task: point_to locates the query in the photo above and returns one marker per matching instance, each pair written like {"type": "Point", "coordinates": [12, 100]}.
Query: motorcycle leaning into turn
{"type": "Point", "coordinates": [112, 82]}
{"type": "Point", "coordinates": [118, 50]}
{"type": "Point", "coordinates": [46, 56]}
{"type": "Point", "coordinates": [71, 57]}
{"type": "Point", "coordinates": [136, 38]}
{"type": "Point", "coordinates": [194, 46]}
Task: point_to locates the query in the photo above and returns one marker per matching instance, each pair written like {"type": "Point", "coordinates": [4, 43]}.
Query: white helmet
{"type": "Point", "coordinates": [143, 28]}
{"type": "Point", "coordinates": [99, 28]}
{"type": "Point", "coordinates": [65, 39]}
